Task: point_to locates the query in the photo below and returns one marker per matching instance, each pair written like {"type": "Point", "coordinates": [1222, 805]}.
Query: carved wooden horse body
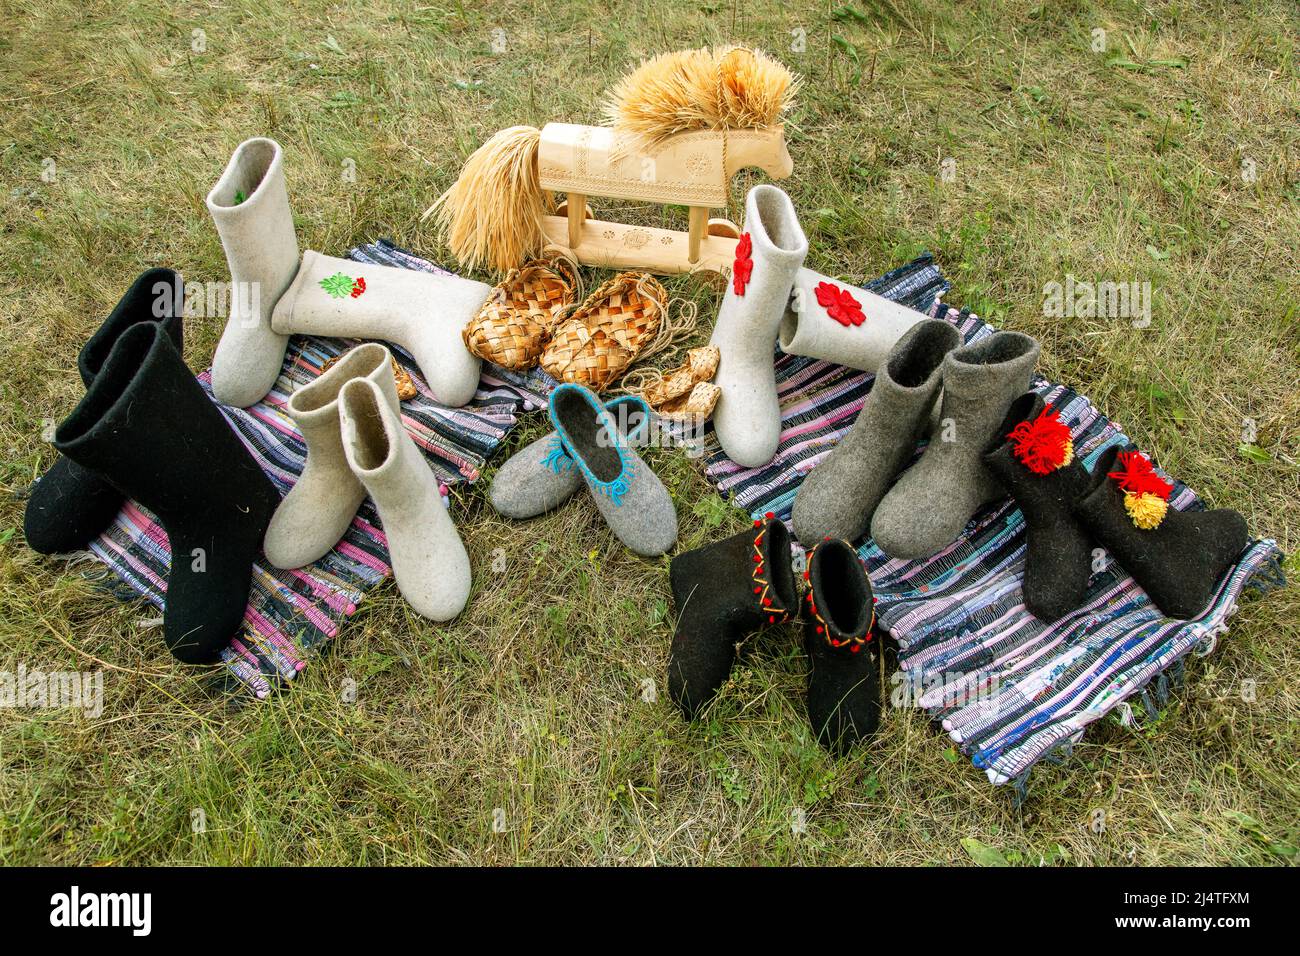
{"type": "Point", "coordinates": [691, 169]}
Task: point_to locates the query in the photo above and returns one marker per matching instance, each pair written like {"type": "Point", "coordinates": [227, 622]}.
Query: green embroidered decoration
{"type": "Point", "coordinates": [338, 285]}
{"type": "Point", "coordinates": [239, 196]}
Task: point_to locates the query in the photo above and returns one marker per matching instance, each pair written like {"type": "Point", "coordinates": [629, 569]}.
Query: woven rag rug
{"type": "Point", "coordinates": [1009, 689]}
{"type": "Point", "coordinates": [292, 613]}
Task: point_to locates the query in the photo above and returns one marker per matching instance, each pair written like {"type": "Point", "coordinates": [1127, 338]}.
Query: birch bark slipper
{"type": "Point", "coordinates": [316, 512]}
{"type": "Point", "coordinates": [250, 207]}
{"type": "Point", "coordinates": [839, 323]}
{"type": "Point", "coordinates": [771, 250]}
{"type": "Point", "coordinates": [630, 497]}
{"type": "Point", "coordinates": [542, 476]}
{"type": "Point", "coordinates": [429, 560]}
{"type": "Point", "coordinates": [422, 312]}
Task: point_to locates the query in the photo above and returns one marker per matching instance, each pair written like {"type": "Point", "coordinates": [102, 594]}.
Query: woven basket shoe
{"type": "Point", "coordinates": [515, 323]}
{"type": "Point", "coordinates": [597, 343]}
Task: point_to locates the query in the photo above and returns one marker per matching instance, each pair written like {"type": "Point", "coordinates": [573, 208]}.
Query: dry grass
{"type": "Point", "coordinates": [1122, 165]}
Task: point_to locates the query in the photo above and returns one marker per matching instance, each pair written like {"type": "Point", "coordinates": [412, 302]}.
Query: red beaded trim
{"type": "Point", "coordinates": [854, 644]}
{"type": "Point", "coordinates": [762, 586]}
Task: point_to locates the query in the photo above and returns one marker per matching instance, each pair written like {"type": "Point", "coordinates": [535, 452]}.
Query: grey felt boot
{"type": "Point", "coordinates": [429, 560]}
{"type": "Point", "coordinates": [541, 475]}
{"type": "Point", "coordinates": [628, 494]}
{"type": "Point", "coordinates": [748, 416]}
{"type": "Point", "coordinates": [250, 207]}
{"type": "Point", "coordinates": [835, 322]}
{"type": "Point", "coordinates": [840, 495]}
{"type": "Point", "coordinates": [316, 512]}
{"type": "Point", "coordinates": [937, 496]}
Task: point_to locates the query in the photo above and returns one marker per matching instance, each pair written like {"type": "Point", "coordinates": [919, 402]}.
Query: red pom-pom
{"type": "Point", "coordinates": [1137, 477]}
{"type": "Point", "coordinates": [1042, 445]}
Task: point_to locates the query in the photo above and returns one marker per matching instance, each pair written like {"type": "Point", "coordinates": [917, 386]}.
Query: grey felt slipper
{"type": "Point", "coordinates": [630, 497]}
{"type": "Point", "coordinates": [840, 495]}
{"type": "Point", "coordinates": [540, 476]}
{"type": "Point", "coordinates": [937, 496]}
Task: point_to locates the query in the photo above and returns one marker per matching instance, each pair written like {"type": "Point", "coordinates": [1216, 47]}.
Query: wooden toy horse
{"type": "Point", "coordinates": [682, 125]}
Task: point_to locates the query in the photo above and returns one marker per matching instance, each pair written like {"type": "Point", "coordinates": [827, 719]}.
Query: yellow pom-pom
{"type": "Point", "coordinates": [1147, 511]}
{"type": "Point", "coordinates": [1068, 449]}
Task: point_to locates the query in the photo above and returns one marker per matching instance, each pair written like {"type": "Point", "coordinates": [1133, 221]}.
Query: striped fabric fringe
{"type": "Point", "coordinates": [291, 613]}
{"type": "Point", "coordinates": [1007, 688]}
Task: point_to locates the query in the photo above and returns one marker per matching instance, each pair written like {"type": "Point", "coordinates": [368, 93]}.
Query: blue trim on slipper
{"type": "Point", "coordinates": [618, 486]}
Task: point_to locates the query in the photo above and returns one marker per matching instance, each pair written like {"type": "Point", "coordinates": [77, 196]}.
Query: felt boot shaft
{"type": "Point", "coordinates": [70, 506]}
{"type": "Point", "coordinates": [1180, 562]}
{"type": "Point", "coordinates": [147, 427]}
{"type": "Point", "coordinates": [422, 312]}
{"type": "Point", "coordinates": [840, 495]}
{"type": "Point", "coordinates": [862, 338]}
{"type": "Point", "coordinates": [316, 512]}
{"type": "Point", "coordinates": [429, 560]}
{"type": "Point", "coordinates": [723, 592]}
{"type": "Point", "coordinates": [843, 675]}
{"type": "Point", "coordinates": [250, 206]}
{"type": "Point", "coordinates": [748, 417]}
{"type": "Point", "coordinates": [1058, 551]}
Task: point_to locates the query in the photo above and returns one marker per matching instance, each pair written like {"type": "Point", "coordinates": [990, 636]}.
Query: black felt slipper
{"type": "Point", "coordinates": [1177, 557]}
{"type": "Point", "coordinates": [1032, 457]}
{"type": "Point", "coordinates": [844, 676]}
{"type": "Point", "coordinates": [70, 506]}
{"type": "Point", "coordinates": [725, 591]}
{"type": "Point", "coordinates": [147, 428]}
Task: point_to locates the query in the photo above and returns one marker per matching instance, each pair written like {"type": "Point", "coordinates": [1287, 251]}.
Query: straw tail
{"type": "Point", "coordinates": [492, 215]}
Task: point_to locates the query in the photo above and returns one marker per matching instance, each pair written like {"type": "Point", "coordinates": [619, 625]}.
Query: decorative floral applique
{"type": "Point", "coordinates": [743, 267]}
{"type": "Point", "coordinates": [341, 284]}
{"type": "Point", "coordinates": [1146, 494]}
{"type": "Point", "coordinates": [839, 304]}
{"type": "Point", "coordinates": [1044, 444]}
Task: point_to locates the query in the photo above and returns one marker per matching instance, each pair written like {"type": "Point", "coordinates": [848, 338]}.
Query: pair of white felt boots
{"type": "Point", "coordinates": [275, 294]}
{"type": "Point", "coordinates": [772, 298]}
{"type": "Point", "coordinates": [351, 421]}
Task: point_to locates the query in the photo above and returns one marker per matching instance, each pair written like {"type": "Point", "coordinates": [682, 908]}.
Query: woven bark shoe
{"type": "Point", "coordinates": [429, 560]}
{"type": "Point", "coordinates": [629, 496]}
{"type": "Point", "coordinates": [316, 512]}
{"type": "Point", "coordinates": [422, 312]}
{"type": "Point", "coordinates": [931, 504]}
{"type": "Point", "coordinates": [843, 676]}
{"type": "Point", "coordinates": [724, 592]}
{"type": "Point", "coordinates": [595, 344]}
{"type": "Point", "coordinates": [515, 323]}
{"type": "Point", "coordinates": [829, 320]}
{"type": "Point", "coordinates": [1178, 557]}
{"type": "Point", "coordinates": [839, 496]}
{"type": "Point", "coordinates": [1032, 457]}
{"type": "Point", "coordinates": [771, 250]}
{"type": "Point", "coordinates": [147, 427]}
{"type": "Point", "coordinates": [541, 475]}
{"type": "Point", "coordinates": [70, 506]}
{"type": "Point", "coordinates": [250, 207]}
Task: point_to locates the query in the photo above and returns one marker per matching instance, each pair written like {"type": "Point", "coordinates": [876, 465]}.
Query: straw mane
{"type": "Point", "coordinates": [718, 88]}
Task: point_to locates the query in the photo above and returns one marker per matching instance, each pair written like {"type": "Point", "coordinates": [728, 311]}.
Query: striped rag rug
{"type": "Point", "coordinates": [291, 613]}
{"type": "Point", "coordinates": [1009, 689]}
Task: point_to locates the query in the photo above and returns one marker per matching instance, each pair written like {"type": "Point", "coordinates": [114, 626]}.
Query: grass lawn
{"type": "Point", "coordinates": [1171, 156]}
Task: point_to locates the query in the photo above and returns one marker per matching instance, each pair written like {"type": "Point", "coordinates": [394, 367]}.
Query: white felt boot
{"type": "Point", "coordinates": [422, 312]}
{"type": "Point", "coordinates": [429, 560]}
{"type": "Point", "coordinates": [316, 512]}
{"type": "Point", "coordinates": [839, 323]}
{"type": "Point", "coordinates": [250, 207]}
{"type": "Point", "coordinates": [748, 417]}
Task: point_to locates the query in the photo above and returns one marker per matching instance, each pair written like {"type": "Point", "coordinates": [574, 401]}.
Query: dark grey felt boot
{"type": "Point", "coordinates": [1032, 457]}
{"type": "Point", "coordinates": [1177, 557]}
{"type": "Point", "coordinates": [937, 496]}
{"type": "Point", "coordinates": [840, 495]}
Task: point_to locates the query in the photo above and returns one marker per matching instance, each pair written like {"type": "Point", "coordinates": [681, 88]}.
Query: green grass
{"type": "Point", "coordinates": [1122, 165]}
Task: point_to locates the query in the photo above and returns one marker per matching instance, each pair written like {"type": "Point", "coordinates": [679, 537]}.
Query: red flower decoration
{"type": "Point", "coordinates": [358, 287]}
{"type": "Point", "coordinates": [743, 267]}
{"type": "Point", "coordinates": [839, 304]}
{"type": "Point", "coordinates": [1138, 477]}
{"type": "Point", "coordinates": [1042, 445]}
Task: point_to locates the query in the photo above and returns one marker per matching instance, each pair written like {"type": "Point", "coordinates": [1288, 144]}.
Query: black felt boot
{"type": "Point", "coordinates": [844, 676]}
{"type": "Point", "coordinates": [1032, 457]}
{"type": "Point", "coordinates": [70, 506]}
{"type": "Point", "coordinates": [147, 428]}
{"type": "Point", "coordinates": [725, 591]}
{"type": "Point", "coordinates": [1177, 557]}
